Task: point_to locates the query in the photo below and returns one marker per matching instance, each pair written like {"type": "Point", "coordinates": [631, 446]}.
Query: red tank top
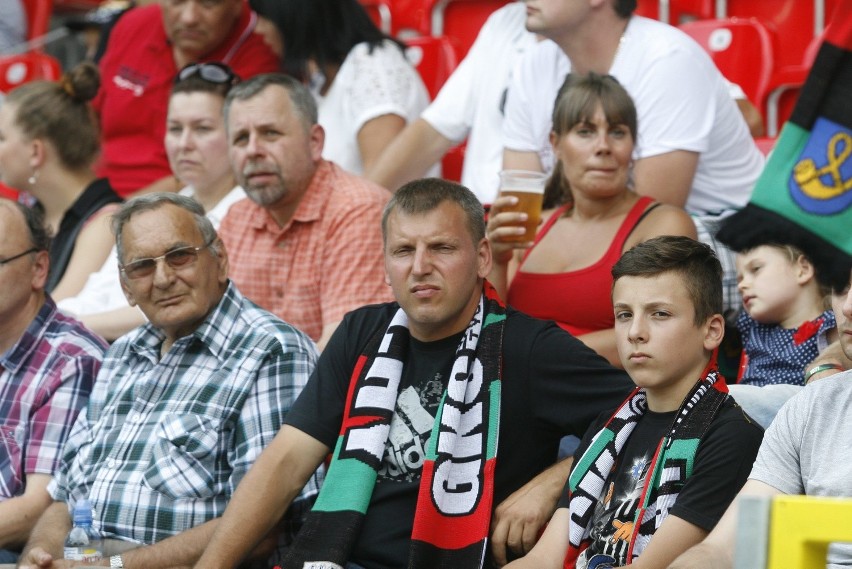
{"type": "Point", "coordinates": [578, 301]}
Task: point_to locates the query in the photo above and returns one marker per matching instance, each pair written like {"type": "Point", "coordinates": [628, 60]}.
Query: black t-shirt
{"type": "Point", "coordinates": [552, 385]}
{"type": "Point", "coordinates": [722, 464]}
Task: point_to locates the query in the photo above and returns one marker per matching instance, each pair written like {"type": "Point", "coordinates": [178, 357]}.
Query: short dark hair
{"type": "Point", "coordinates": [148, 202]}
{"type": "Point", "coordinates": [625, 8]}
{"type": "Point", "coordinates": [695, 263]}
{"type": "Point", "coordinates": [303, 102]}
{"type": "Point", "coordinates": [425, 195]}
{"type": "Point", "coordinates": [37, 230]}
{"type": "Point", "coordinates": [324, 31]}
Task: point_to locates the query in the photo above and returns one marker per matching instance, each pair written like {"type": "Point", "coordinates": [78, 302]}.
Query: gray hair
{"type": "Point", "coordinates": [425, 195]}
{"type": "Point", "coordinates": [149, 202]}
{"type": "Point", "coordinates": [302, 99]}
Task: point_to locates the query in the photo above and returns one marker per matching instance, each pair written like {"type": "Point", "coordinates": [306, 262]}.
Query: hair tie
{"type": "Point", "coordinates": [68, 87]}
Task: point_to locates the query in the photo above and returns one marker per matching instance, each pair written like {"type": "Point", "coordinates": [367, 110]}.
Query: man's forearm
{"type": "Point", "coordinates": [408, 156]}
{"type": "Point", "coordinates": [50, 530]}
{"type": "Point", "coordinates": [19, 515]}
{"type": "Point", "coordinates": [180, 550]}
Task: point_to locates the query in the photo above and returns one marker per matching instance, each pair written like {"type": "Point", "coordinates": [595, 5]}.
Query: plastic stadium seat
{"type": "Point", "coordinates": [38, 17]}
{"type": "Point", "coordinates": [742, 49]}
{"type": "Point", "coordinates": [451, 164]}
{"type": "Point", "coordinates": [434, 58]}
{"type": "Point", "coordinates": [380, 12]}
{"type": "Point", "coordinates": [18, 69]}
{"type": "Point", "coordinates": [683, 11]}
{"type": "Point", "coordinates": [460, 20]}
{"type": "Point", "coordinates": [411, 18]}
{"type": "Point", "coordinates": [797, 22]}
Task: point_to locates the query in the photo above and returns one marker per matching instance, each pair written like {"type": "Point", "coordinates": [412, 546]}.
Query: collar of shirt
{"type": "Point", "coordinates": [212, 333]}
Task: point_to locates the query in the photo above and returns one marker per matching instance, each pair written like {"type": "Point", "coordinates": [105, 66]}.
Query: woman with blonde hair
{"type": "Point", "coordinates": [49, 140]}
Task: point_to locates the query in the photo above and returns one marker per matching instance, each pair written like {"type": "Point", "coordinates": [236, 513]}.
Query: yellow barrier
{"type": "Point", "coordinates": [801, 527]}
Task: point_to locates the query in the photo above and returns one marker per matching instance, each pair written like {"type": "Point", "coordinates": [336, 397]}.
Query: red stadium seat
{"type": "Point", "coordinates": [411, 18]}
{"type": "Point", "coordinates": [742, 49]}
{"type": "Point", "coordinates": [451, 164]}
{"type": "Point", "coordinates": [380, 12]}
{"type": "Point", "coordinates": [683, 11]}
{"type": "Point", "coordinates": [18, 69]}
{"type": "Point", "coordinates": [796, 22]}
{"type": "Point", "coordinates": [38, 17]}
{"type": "Point", "coordinates": [434, 58]}
{"type": "Point", "coordinates": [460, 20]}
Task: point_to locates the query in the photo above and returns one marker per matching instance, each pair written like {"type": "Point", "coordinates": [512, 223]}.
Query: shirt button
{"type": "Point", "coordinates": [111, 463]}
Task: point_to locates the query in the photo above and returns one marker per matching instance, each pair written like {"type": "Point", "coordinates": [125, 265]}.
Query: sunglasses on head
{"type": "Point", "coordinates": [214, 72]}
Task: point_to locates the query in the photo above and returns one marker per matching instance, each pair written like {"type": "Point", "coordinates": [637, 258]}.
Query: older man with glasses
{"type": "Point", "coordinates": [183, 405]}
{"type": "Point", "coordinates": [48, 363]}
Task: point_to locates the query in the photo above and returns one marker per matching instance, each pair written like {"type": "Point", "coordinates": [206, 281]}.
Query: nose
{"type": "Point", "coordinates": [637, 332]}
{"type": "Point", "coordinates": [185, 138]}
{"type": "Point", "coordinates": [189, 12]}
{"type": "Point", "coordinates": [847, 303]}
{"type": "Point", "coordinates": [163, 274]}
{"type": "Point", "coordinates": [254, 146]}
{"type": "Point", "coordinates": [603, 143]}
{"type": "Point", "coordinates": [422, 264]}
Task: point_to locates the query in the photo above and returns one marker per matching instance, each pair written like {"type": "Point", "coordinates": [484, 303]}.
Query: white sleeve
{"type": "Point", "coordinates": [384, 82]}
{"type": "Point", "coordinates": [518, 133]}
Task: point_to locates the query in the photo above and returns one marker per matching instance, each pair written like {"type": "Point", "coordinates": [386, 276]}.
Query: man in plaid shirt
{"type": "Point", "coordinates": [48, 363]}
{"type": "Point", "coordinates": [183, 405]}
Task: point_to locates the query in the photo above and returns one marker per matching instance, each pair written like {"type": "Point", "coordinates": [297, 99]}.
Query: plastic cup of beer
{"type": "Point", "coordinates": [528, 187]}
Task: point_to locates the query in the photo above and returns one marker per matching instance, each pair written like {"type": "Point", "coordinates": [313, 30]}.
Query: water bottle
{"type": "Point", "coordinates": [83, 543]}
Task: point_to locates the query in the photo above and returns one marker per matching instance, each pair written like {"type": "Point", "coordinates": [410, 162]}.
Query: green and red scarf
{"type": "Point", "coordinates": [455, 498]}
{"type": "Point", "coordinates": [670, 467]}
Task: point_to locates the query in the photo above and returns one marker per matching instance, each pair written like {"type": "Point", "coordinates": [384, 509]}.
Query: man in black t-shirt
{"type": "Point", "coordinates": [550, 385]}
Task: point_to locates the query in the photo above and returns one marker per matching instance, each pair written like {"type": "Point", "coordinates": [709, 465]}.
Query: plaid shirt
{"type": "Point", "coordinates": [164, 441]}
{"type": "Point", "coordinates": [45, 380]}
{"type": "Point", "coordinates": [325, 262]}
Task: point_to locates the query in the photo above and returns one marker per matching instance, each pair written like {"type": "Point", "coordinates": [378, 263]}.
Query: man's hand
{"type": "Point", "coordinates": [519, 520]}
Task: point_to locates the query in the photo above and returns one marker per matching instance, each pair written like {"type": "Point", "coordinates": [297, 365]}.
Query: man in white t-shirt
{"type": "Point", "coordinates": [470, 105]}
{"type": "Point", "coordinates": [694, 149]}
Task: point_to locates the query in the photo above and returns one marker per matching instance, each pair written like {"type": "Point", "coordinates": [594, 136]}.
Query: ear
{"type": "Point", "coordinates": [316, 142]}
{"type": "Point", "coordinates": [483, 258]}
{"type": "Point", "coordinates": [554, 143]}
{"type": "Point", "coordinates": [41, 267]}
{"type": "Point", "coordinates": [38, 150]}
{"type": "Point", "coordinates": [804, 270]}
{"type": "Point", "coordinates": [714, 331]}
{"type": "Point", "coordinates": [222, 262]}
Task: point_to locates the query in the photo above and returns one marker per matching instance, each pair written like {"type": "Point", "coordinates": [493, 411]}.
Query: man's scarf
{"type": "Point", "coordinates": [671, 466]}
{"type": "Point", "coordinates": [457, 481]}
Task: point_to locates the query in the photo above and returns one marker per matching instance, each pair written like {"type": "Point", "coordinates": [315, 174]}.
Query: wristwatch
{"type": "Point", "coordinates": [116, 562]}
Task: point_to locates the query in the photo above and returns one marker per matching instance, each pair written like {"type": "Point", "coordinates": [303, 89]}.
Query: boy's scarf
{"type": "Point", "coordinates": [457, 481]}
{"type": "Point", "coordinates": [672, 463]}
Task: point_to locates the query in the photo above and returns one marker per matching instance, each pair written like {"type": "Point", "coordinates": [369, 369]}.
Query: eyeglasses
{"type": "Point", "coordinates": [177, 259]}
{"type": "Point", "coordinates": [213, 72]}
{"type": "Point", "coordinates": [18, 256]}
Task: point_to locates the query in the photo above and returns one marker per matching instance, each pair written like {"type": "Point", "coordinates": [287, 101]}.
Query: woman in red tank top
{"type": "Point", "coordinates": [592, 216]}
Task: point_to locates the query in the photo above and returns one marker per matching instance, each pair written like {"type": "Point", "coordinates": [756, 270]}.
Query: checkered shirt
{"type": "Point", "coordinates": [45, 380]}
{"type": "Point", "coordinates": [324, 263]}
{"type": "Point", "coordinates": [164, 441]}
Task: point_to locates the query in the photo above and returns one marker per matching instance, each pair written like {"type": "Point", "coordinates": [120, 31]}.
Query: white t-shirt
{"type": "Point", "coordinates": [805, 449]}
{"type": "Point", "coordinates": [470, 104]}
{"type": "Point", "coordinates": [102, 291]}
{"type": "Point", "coordinates": [682, 103]}
{"type": "Point", "coordinates": [368, 85]}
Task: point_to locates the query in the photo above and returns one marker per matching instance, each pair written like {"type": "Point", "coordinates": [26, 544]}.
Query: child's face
{"type": "Point", "coordinates": [658, 342]}
{"type": "Point", "coordinates": [768, 282]}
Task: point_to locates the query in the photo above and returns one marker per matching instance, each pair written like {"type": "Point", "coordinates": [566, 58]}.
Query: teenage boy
{"type": "Point", "coordinates": [652, 478]}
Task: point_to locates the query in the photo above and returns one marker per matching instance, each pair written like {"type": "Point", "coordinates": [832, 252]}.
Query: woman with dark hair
{"type": "Point", "coordinates": [49, 140]}
{"type": "Point", "coordinates": [366, 89]}
{"type": "Point", "coordinates": [592, 216]}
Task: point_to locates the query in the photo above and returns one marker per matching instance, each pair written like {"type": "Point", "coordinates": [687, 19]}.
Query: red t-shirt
{"type": "Point", "coordinates": [137, 72]}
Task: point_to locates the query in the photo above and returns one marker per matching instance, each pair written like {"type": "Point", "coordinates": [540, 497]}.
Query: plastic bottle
{"type": "Point", "coordinates": [83, 542]}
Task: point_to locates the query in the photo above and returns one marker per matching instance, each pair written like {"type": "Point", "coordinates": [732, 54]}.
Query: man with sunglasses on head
{"type": "Point", "coordinates": [183, 404]}
{"type": "Point", "coordinates": [48, 363]}
{"type": "Point", "coordinates": [147, 47]}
